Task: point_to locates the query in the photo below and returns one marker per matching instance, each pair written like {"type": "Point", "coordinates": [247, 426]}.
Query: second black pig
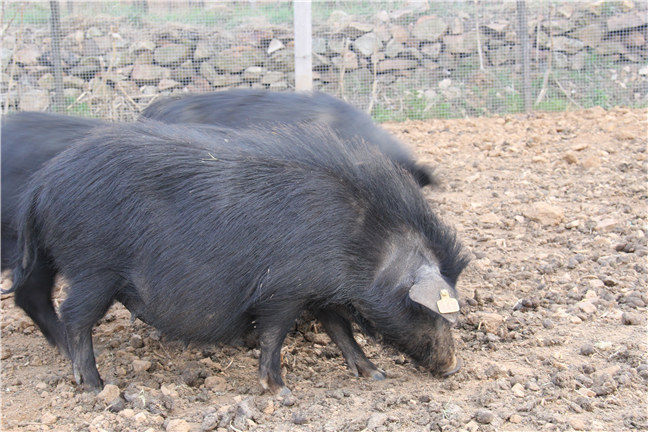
{"type": "Point", "coordinates": [29, 139]}
{"type": "Point", "coordinates": [242, 108]}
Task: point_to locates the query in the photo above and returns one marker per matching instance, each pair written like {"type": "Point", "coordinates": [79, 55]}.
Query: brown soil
{"type": "Point", "coordinates": [552, 336]}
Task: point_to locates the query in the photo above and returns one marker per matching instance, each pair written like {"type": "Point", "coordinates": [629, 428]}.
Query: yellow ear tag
{"type": "Point", "coordinates": [447, 304]}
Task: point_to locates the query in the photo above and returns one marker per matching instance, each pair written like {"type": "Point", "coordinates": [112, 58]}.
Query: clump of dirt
{"type": "Point", "coordinates": [552, 333]}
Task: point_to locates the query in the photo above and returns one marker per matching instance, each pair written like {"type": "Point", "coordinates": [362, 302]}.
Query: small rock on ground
{"type": "Point", "coordinates": [587, 350]}
{"type": "Point", "coordinates": [299, 418]}
{"type": "Point", "coordinates": [628, 318]}
{"type": "Point", "coordinates": [178, 425]}
{"type": "Point", "coordinates": [484, 416]}
{"type": "Point", "coordinates": [109, 393]}
{"type": "Point", "coordinates": [376, 420]}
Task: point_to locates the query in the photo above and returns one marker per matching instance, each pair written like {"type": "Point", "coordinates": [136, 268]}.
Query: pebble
{"type": "Point", "coordinates": [425, 398]}
{"type": "Point", "coordinates": [492, 337]}
{"type": "Point", "coordinates": [494, 371]}
{"type": "Point", "coordinates": [570, 157]}
{"type": "Point", "coordinates": [6, 353]}
{"type": "Point", "coordinates": [109, 393]}
{"type": "Point", "coordinates": [591, 162]}
{"type": "Point", "coordinates": [140, 418]}
{"type": "Point", "coordinates": [587, 350]}
{"type": "Point", "coordinates": [178, 425]}
{"type": "Point", "coordinates": [585, 403]}
{"type": "Point", "coordinates": [643, 371]}
{"type": "Point", "coordinates": [489, 218]}
{"type": "Point", "coordinates": [604, 385]}
{"type": "Point", "coordinates": [268, 407]}
{"type": "Point", "coordinates": [575, 320]}
{"type": "Point", "coordinates": [573, 224]}
{"type": "Point", "coordinates": [586, 307]}
{"type": "Point", "coordinates": [562, 379]}
{"type": "Point", "coordinates": [116, 405]}
{"type": "Point", "coordinates": [376, 420]}
{"type": "Point", "coordinates": [525, 304]}
{"type": "Point", "coordinates": [547, 323]}
{"type": "Point", "coordinates": [518, 390]}
{"type": "Point", "coordinates": [583, 391]}
{"type": "Point", "coordinates": [603, 345]}
{"type": "Point", "coordinates": [156, 419]}
{"type": "Point", "coordinates": [141, 365]}
{"type": "Point", "coordinates": [578, 424]}
{"type": "Point", "coordinates": [545, 213]}
{"type": "Point", "coordinates": [193, 374]}
{"type": "Point", "coordinates": [335, 394]}
{"type": "Point", "coordinates": [472, 426]}
{"type": "Point", "coordinates": [48, 418]}
{"type": "Point", "coordinates": [318, 338]}
{"type": "Point", "coordinates": [634, 301]}
{"type": "Point", "coordinates": [489, 321]}
{"type": "Point", "coordinates": [216, 383]}
{"type": "Point", "coordinates": [484, 416]}
{"type": "Point", "coordinates": [210, 421]}
{"type": "Point", "coordinates": [515, 418]}
{"type": "Point", "coordinates": [246, 409]}
{"type": "Point", "coordinates": [127, 413]}
{"type": "Point", "coordinates": [453, 411]}
{"type": "Point", "coordinates": [136, 341]}
{"type": "Point", "coordinates": [596, 283]}
{"type": "Point", "coordinates": [628, 318]}
{"type": "Point", "coordinates": [615, 314]}
{"type": "Point", "coordinates": [299, 418]}
{"type": "Point", "coordinates": [207, 362]}
{"type": "Point", "coordinates": [565, 278]}
{"type": "Point", "coordinates": [606, 225]}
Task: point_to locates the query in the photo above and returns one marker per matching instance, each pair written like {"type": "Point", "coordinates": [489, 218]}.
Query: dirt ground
{"type": "Point", "coordinates": [552, 333]}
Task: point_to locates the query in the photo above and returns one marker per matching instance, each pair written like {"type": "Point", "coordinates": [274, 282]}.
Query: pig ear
{"type": "Point", "coordinates": [433, 292]}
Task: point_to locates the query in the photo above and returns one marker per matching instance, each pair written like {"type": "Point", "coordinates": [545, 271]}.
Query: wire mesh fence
{"type": "Point", "coordinates": [394, 59]}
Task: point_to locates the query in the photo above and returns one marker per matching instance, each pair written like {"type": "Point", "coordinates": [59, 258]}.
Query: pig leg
{"type": "Point", "coordinates": [86, 303]}
{"type": "Point", "coordinates": [272, 332]}
{"type": "Point", "coordinates": [340, 331]}
{"type": "Point", "coordinates": [35, 298]}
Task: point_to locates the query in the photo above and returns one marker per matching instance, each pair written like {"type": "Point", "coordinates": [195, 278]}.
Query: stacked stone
{"type": "Point", "coordinates": [114, 60]}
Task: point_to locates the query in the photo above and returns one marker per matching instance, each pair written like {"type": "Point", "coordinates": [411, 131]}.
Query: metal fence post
{"type": "Point", "coordinates": [523, 54]}
{"type": "Point", "coordinates": [55, 23]}
{"type": "Point", "coordinates": [303, 45]}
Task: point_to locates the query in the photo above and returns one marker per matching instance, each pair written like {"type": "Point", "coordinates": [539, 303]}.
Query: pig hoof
{"type": "Point", "coordinates": [378, 375]}
{"type": "Point", "coordinates": [454, 369]}
{"type": "Point", "coordinates": [91, 389]}
{"type": "Point", "coordinates": [284, 392]}
{"type": "Point", "coordinates": [77, 376]}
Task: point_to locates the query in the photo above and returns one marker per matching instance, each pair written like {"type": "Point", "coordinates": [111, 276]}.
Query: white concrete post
{"type": "Point", "coordinates": [303, 45]}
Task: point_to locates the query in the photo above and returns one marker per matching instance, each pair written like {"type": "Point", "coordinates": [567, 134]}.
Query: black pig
{"type": "Point", "coordinates": [243, 108]}
{"type": "Point", "coordinates": [29, 139]}
{"type": "Point", "coordinates": [206, 233]}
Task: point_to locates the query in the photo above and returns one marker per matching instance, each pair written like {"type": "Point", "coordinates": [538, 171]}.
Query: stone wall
{"type": "Point", "coordinates": [113, 67]}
